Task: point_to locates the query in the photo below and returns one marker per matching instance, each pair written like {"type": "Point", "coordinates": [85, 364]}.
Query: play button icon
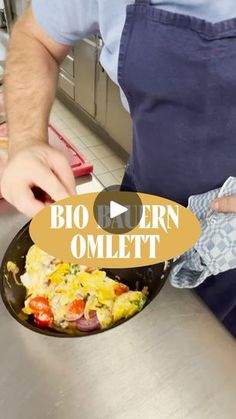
{"type": "Point", "coordinates": [116, 209]}
{"type": "Point", "coordinates": [117, 212]}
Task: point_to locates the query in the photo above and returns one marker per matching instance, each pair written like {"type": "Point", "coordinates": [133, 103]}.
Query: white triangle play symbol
{"type": "Point", "coordinates": [116, 209]}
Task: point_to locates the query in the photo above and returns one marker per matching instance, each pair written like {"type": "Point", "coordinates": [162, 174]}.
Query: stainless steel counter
{"type": "Point", "coordinates": [171, 361]}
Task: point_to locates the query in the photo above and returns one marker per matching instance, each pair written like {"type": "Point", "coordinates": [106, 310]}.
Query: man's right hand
{"type": "Point", "coordinates": [31, 76]}
{"type": "Point", "coordinates": [36, 165]}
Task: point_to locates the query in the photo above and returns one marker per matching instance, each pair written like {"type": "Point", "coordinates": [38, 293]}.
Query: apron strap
{"type": "Point", "coordinates": [143, 2]}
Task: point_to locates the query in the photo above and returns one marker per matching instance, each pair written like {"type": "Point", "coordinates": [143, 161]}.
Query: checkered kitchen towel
{"type": "Point", "coordinates": [215, 252]}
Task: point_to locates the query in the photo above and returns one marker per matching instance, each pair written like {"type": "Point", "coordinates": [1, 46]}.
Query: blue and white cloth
{"type": "Point", "coordinates": [215, 252]}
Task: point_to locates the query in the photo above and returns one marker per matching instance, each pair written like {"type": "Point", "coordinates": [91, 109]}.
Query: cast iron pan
{"type": "Point", "coordinates": [13, 293]}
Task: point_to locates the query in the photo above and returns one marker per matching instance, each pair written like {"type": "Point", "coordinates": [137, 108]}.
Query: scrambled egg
{"type": "Point", "coordinates": [62, 284]}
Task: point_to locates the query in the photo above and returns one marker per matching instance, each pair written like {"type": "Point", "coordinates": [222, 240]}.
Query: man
{"type": "Point", "coordinates": [175, 62]}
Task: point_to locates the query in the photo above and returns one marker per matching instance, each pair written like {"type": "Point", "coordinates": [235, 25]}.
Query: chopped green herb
{"type": "Point", "coordinates": [74, 270]}
{"type": "Point", "coordinates": [140, 303]}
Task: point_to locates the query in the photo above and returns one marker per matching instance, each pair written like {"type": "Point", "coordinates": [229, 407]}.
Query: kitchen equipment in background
{"type": "Point", "coordinates": [85, 74]}
{"type": "Point", "coordinates": [13, 293]}
{"type": "Point", "coordinates": [66, 80]}
{"type": "Point", "coordinates": [19, 6]}
{"type": "Point", "coordinates": [6, 18]}
{"type": "Point", "coordinates": [3, 23]}
{"type": "Point", "coordinates": [78, 162]}
{"type": "Point", "coordinates": [86, 87]}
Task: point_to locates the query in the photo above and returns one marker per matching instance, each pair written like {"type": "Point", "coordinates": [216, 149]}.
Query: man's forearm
{"type": "Point", "coordinates": [30, 83]}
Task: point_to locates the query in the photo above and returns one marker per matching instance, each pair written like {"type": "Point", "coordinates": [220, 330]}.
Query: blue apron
{"type": "Point", "coordinates": [179, 76]}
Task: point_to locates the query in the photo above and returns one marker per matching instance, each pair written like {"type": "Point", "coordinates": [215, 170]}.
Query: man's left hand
{"type": "Point", "coordinates": [226, 204]}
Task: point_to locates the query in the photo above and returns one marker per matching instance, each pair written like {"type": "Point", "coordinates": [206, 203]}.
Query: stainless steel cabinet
{"type": "Point", "coordinates": [118, 121]}
{"type": "Point", "coordinates": [68, 65]}
{"type": "Point", "coordinates": [101, 91]}
{"type": "Point", "coordinates": [85, 74]}
{"type": "Point", "coordinates": [66, 84]}
{"type": "Point", "coordinates": [84, 80]}
{"type": "Point", "coordinates": [66, 77]}
{"type": "Point", "coordinates": [109, 110]}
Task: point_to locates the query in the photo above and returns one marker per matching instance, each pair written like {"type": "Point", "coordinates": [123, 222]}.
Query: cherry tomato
{"type": "Point", "coordinates": [43, 319]}
{"type": "Point", "coordinates": [121, 288]}
{"type": "Point", "coordinates": [75, 310]}
{"type": "Point", "coordinates": [39, 305]}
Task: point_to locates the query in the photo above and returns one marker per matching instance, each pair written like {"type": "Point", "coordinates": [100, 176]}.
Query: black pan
{"type": "Point", "coordinates": [13, 293]}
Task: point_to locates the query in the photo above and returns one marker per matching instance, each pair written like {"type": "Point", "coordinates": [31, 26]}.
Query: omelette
{"type": "Point", "coordinates": [70, 296]}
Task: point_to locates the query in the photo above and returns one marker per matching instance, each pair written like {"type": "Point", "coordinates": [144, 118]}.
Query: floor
{"type": "Point", "coordinates": [108, 167]}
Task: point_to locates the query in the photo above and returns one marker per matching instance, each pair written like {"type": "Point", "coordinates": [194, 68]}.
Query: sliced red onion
{"type": "Point", "coordinates": [88, 325]}
{"type": "Point", "coordinates": [73, 317]}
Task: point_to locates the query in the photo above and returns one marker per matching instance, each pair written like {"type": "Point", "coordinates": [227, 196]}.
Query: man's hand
{"type": "Point", "coordinates": [30, 84]}
{"type": "Point", "coordinates": [225, 204]}
{"type": "Point", "coordinates": [36, 165]}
